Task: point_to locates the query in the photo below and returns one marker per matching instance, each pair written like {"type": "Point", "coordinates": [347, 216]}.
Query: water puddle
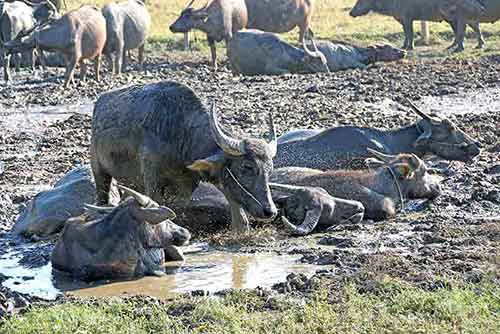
{"type": "Point", "coordinates": [34, 118]}
{"type": "Point", "coordinates": [203, 270]}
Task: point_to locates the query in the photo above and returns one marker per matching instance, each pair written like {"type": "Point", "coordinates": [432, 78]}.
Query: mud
{"type": "Point", "coordinates": [457, 235]}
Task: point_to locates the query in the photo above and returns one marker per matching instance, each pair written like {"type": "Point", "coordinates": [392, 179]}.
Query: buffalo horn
{"type": "Point", "coordinates": [228, 144]}
{"type": "Point", "coordinates": [382, 156]}
{"type": "Point", "coordinates": [142, 199]}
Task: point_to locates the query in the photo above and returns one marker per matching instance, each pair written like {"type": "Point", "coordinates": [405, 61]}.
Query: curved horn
{"type": "Point", "coordinates": [228, 144]}
{"type": "Point", "coordinates": [382, 156]}
{"type": "Point", "coordinates": [98, 209]}
{"type": "Point", "coordinates": [142, 199]}
{"type": "Point", "coordinates": [310, 222]}
{"type": "Point", "coordinates": [189, 5]}
{"type": "Point", "coordinates": [418, 111]}
{"type": "Point", "coordinates": [273, 141]}
{"type": "Point", "coordinates": [285, 188]}
{"type": "Point", "coordinates": [52, 6]}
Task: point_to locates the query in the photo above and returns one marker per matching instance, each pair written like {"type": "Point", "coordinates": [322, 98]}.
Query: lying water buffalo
{"type": "Point", "coordinates": [16, 19]}
{"type": "Point", "coordinates": [219, 20]}
{"type": "Point", "coordinates": [271, 55]}
{"type": "Point", "coordinates": [380, 190]}
{"type": "Point", "coordinates": [122, 242]}
{"type": "Point", "coordinates": [313, 207]}
{"type": "Point", "coordinates": [127, 24]}
{"type": "Point", "coordinates": [339, 147]}
{"type": "Point", "coordinates": [222, 18]}
{"type": "Point", "coordinates": [405, 12]}
{"type": "Point", "coordinates": [160, 136]}
{"type": "Point", "coordinates": [467, 11]}
{"type": "Point", "coordinates": [78, 35]}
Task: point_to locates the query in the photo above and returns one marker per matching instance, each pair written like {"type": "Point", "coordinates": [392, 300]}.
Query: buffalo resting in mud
{"type": "Point", "coordinates": [160, 137]}
{"type": "Point", "coordinates": [313, 206]}
{"type": "Point", "coordinates": [343, 147]}
{"type": "Point", "coordinates": [129, 240]}
{"type": "Point", "coordinates": [271, 55]}
{"type": "Point", "coordinates": [78, 35]}
{"type": "Point", "coordinates": [390, 180]}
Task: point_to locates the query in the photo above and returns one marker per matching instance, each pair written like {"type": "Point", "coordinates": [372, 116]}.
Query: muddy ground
{"type": "Point", "coordinates": [457, 235]}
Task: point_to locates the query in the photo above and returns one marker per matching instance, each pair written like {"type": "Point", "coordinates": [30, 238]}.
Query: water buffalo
{"type": "Point", "coordinates": [466, 11]}
{"type": "Point", "coordinates": [271, 55]}
{"type": "Point", "coordinates": [339, 147]}
{"type": "Point", "coordinates": [381, 189]}
{"type": "Point", "coordinates": [119, 242]}
{"type": "Point", "coordinates": [313, 206]}
{"type": "Point", "coordinates": [161, 137]}
{"type": "Point", "coordinates": [78, 35]}
{"type": "Point", "coordinates": [407, 11]}
{"type": "Point", "coordinates": [127, 24]}
{"type": "Point", "coordinates": [219, 20]}
{"type": "Point", "coordinates": [222, 18]}
{"type": "Point", "coordinates": [16, 19]}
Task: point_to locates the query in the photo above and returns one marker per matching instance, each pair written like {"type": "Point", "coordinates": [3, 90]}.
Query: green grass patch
{"type": "Point", "coordinates": [392, 307]}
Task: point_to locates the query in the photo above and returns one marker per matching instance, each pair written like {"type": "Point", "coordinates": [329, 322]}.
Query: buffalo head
{"type": "Point", "coordinates": [190, 18]}
{"type": "Point", "coordinates": [363, 7]}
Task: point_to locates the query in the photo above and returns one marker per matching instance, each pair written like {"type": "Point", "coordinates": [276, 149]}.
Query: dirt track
{"type": "Point", "coordinates": [456, 235]}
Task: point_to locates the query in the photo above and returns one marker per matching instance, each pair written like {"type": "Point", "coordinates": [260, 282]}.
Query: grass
{"type": "Point", "coordinates": [330, 21]}
{"type": "Point", "coordinates": [392, 307]}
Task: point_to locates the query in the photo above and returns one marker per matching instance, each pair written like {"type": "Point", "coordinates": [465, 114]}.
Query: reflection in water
{"type": "Point", "coordinates": [210, 271]}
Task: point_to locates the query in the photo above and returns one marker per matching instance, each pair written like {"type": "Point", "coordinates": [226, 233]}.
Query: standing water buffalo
{"type": "Point", "coordinates": [219, 20]}
{"type": "Point", "coordinates": [129, 240]}
{"type": "Point", "coordinates": [78, 35]}
{"type": "Point", "coordinates": [16, 19]}
{"type": "Point", "coordinates": [156, 137]}
{"type": "Point", "coordinates": [487, 11]}
{"type": "Point", "coordinates": [271, 55]}
{"type": "Point", "coordinates": [407, 11]}
{"type": "Point", "coordinates": [381, 190]}
{"type": "Point", "coordinates": [127, 24]}
{"type": "Point", "coordinates": [339, 147]}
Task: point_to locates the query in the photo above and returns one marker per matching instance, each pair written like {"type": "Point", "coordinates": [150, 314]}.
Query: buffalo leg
{"type": "Point", "coordinates": [239, 220]}
{"type": "Point", "coordinates": [453, 25]}
{"type": "Point", "coordinates": [213, 53]}
{"type": "Point", "coordinates": [70, 71]}
{"type": "Point", "coordinates": [141, 55]}
{"type": "Point", "coordinates": [409, 34]}
{"type": "Point", "coordinates": [152, 186]}
{"type": "Point", "coordinates": [6, 65]}
{"type": "Point", "coordinates": [124, 61]}
{"type": "Point", "coordinates": [83, 70]}
{"type": "Point", "coordinates": [460, 35]}
{"type": "Point", "coordinates": [479, 34]}
{"type": "Point", "coordinates": [119, 60]}
{"type": "Point", "coordinates": [41, 58]}
{"type": "Point", "coordinates": [97, 67]}
{"type": "Point", "coordinates": [102, 182]}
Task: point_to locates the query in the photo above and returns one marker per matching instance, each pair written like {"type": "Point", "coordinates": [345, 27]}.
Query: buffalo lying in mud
{"type": "Point", "coordinates": [119, 242]}
{"type": "Point", "coordinates": [407, 11]}
{"type": "Point", "coordinates": [222, 18]}
{"type": "Point", "coordinates": [313, 207]}
{"type": "Point", "coordinates": [208, 209]}
{"type": "Point", "coordinates": [271, 55]}
{"type": "Point", "coordinates": [77, 35]}
{"type": "Point", "coordinates": [127, 24]}
{"type": "Point", "coordinates": [381, 189]}
{"type": "Point", "coordinates": [161, 137]}
{"type": "Point", "coordinates": [219, 20]}
{"type": "Point", "coordinates": [339, 147]}
{"type": "Point", "coordinates": [16, 19]}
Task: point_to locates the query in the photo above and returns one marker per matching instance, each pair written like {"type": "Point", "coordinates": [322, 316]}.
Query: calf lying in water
{"type": "Point", "coordinates": [380, 190]}
{"type": "Point", "coordinates": [129, 240]}
{"type": "Point", "coordinates": [271, 55]}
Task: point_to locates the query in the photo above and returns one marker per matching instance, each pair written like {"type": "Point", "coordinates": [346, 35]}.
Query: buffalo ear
{"type": "Point", "coordinates": [403, 171]}
{"type": "Point", "coordinates": [374, 163]}
{"type": "Point", "coordinates": [209, 166]}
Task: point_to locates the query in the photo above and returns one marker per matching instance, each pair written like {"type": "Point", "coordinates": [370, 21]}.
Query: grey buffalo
{"type": "Point", "coordinates": [383, 188]}
{"type": "Point", "coordinates": [339, 147]}
{"type": "Point", "coordinates": [132, 239]}
{"type": "Point", "coordinates": [127, 24]}
{"type": "Point", "coordinates": [161, 137]}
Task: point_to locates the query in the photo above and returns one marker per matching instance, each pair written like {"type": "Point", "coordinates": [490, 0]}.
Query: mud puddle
{"type": "Point", "coordinates": [206, 270]}
{"type": "Point", "coordinates": [35, 119]}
